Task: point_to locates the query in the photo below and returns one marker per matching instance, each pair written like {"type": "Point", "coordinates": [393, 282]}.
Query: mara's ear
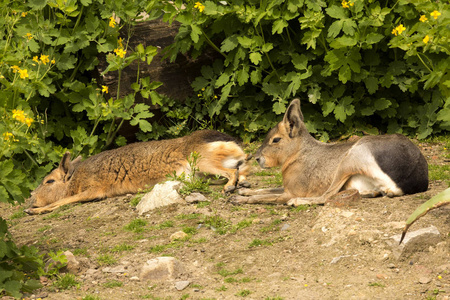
{"type": "Point", "coordinates": [66, 166]}
{"type": "Point", "coordinates": [72, 166]}
{"type": "Point", "coordinates": [293, 118]}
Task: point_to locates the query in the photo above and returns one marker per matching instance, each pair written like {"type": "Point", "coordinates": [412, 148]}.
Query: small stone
{"type": "Point", "coordinates": [347, 214]}
{"type": "Point", "coordinates": [181, 285]}
{"type": "Point", "coordinates": [195, 197]}
{"type": "Point", "coordinates": [179, 235]}
{"type": "Point", "coordinates": [285, 227]}
{"type": "Point", "coordinates": [391, 266]}
{"type": "Point", "coordinates": [415, 241]}
{"type": "Point", "coordinates": [382, 276]}
{"type": "Point", "coordinates": [256, 221]}
{"type": "Point", "coordinates": [134, 278]}
{"type": "Point", "coordinates": [161, 268]}
{"type": "Point", "coordinates": [73, 266]}
{"type": "Point", "coordinates": [162, 194]}
{"type": "Point", "coordinates": [424, 280]}
{"type": "Point", "coordinates": [284, 217]}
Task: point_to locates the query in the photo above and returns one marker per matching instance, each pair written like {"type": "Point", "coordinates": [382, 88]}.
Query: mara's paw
{"type": "Point", "coordinates": [244, 184]}
{"type": "Point", "coordinates": [229, 189]}
{"type": "Point", "coordinates": [237, 199]}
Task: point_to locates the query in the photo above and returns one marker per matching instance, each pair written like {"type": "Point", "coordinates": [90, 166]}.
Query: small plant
{"type": "Point", "coordinates": [136, 225]}
{"type": "Point", "coordinates": [191, 182]}
{"type": "Point", "coordinates": [91, 297]}
{"type": "Point", "coordinates": [189, 230]}
{"type": "Point", "coordinates": [222, 288]}
{"type": "Point", "coordinates": [18, 214]}
{"type": "Point", "coordinates": [377, 284]}
{"type": "Point", "coordinates": [66, 281]}
{"type": "Point", "coordinates": [80, 251]}
{"type": "Point", "coordinates": [113, 284]}
{"type": "Point", "coordinates": [44, 228]}
{"type": "Point", "coordinates": [243, 293]}
{"type": "Point", "coordinates": [225, 273]}
{"type": "Point", "coordinates": [122, 247]}
{"type": "Point", "coordinates": [106, 260]}
{"type": "Point", "coordinates": [216, 223]}
{"type": "Point", "coordinates": [259, 243]}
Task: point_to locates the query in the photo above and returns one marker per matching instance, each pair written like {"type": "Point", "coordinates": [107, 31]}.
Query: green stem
{"type": "Point", "coordinates": [31, 158]}
{"type": "Point", "coordinates": [426, 66]}
{"type": "Point", "coordinates": [212, 44]}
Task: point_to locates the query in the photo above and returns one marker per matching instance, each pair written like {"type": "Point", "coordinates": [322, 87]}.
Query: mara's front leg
{"type": "Point", "coordinates": [262, 196]}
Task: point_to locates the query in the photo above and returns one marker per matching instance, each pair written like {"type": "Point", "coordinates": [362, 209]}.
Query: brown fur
{"type": "Point", "coordinates": [138, 166]}
{"type": "Point", "coordinates": [314, 171]}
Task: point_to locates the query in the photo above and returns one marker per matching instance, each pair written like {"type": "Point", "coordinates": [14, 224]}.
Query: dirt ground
{"type": "Point", "coordinates": [248, 251]}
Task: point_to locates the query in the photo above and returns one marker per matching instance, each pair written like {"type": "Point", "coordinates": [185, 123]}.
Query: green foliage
{"type": "Point", "coordinates": [19, 268]}
{"type": "Point", "coordinates": [192, 182]}
{"type": "Point", "coordinates": [136, 225]}
{"type": "Point", "coordinates": [343, 59]}
{"type": "Point", "coordinates": [66, 281]}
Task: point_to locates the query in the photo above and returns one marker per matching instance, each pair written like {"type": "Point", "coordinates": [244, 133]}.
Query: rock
{"type": "Point", "coordinates": [345, 198]}
{"type": "Point", "coordinates": [285, 227]}
{"type": "Point", "coordinates": [162, 194]}
{"type": "Point", "coordinates": [338, 258]}
{"type": "Point", "coordinates": [117, 269]}
{"type": "Point", "coordinates": [347, 214]}
{"type": "Point", "coordinates": [179, 235]}
{"type": "Point", "coordinates": [195, 197]}
{"type": "Point", "coordinates": [415, 241]}
{"type": "Point", "coordinates": [73, 266]}
{"type": "Point", "coordinates": [181, 285]}
{"type": "Point", "coordinates": [134, 278]}
{"type": "Point", "coordinates": [424, 280]}
{"type": "Point", "coordinates": [382, 276]}
{"type": "Point", "coordinates": [161, 268]}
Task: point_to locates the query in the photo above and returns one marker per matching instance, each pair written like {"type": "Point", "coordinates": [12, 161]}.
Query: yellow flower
{"type": "Point", "coordinates": [29, 36]}
{"type": "Point", "coordinates": [426, 39]}
{"type": "Point", "coordinates": [400, 28]}
{"type": "Point", "coordinates": [19, 115]}
{"type": "Point", "coordinates": [120, 52]}
{"type": "Point", "coordinates": [112, 22]}
{"type": "Point", "coordinates": [28, 121]}
{"type": "Point", "coordinates": [53, 62]}
{"type": "Point", "coordinates": [36, 58]}
{"type": "Point", "coordinates": [24, 14]}
{"type": "Point", "coordinates": [423, 18]}
{"type": "Point", "coordinates": [435, 14]}
{"type": "Point", "coordinates": [23, 73]}
{"type": "Point", "coordinates": [44, 59]}
{"type": "Point", "coordinates": [15, 68]}
{"type": "Point", "coordinates": [7, 136]}
{"type": "Point", "coordinates": [345, 4]}
{"type": "Point", "coordinates": [104, 89]}
{"type": "Point", "coordinates": [199, 6]}
{"type": "Point", "coordinates": [394, 32]}
{"type": "Point", "coordinates": [120, 43]}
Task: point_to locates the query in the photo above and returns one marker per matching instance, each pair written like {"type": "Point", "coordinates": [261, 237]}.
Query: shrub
{"type": "Point", "coordinates": [357, 65]}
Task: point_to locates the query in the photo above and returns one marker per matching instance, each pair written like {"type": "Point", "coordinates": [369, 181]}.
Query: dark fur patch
{"type": "Point", "coordinates": [210, 136]}
{"type": "Point", "coordinates": [403, 162]}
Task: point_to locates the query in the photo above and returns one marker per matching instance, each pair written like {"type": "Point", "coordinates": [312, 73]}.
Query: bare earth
{"type": "Point", "coordinates": [250, 251]}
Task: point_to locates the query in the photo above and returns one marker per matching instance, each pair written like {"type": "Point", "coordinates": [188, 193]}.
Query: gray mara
{"type": "Point", "coordinates": [138, 166]}
{"type": "Point", "coordinates": [314, 171]}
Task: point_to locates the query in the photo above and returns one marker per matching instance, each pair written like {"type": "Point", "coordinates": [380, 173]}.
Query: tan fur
{"type": "Point", "coordinates": [314, 171]}
{"type": "Point", "coordinates": [137, 166]}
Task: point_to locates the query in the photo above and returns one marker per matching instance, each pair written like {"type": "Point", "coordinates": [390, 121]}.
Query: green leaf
{"type": "Point", "coordinates": [255, 58]}
{"type": "Point", "coordinates": [245, 41]}
{"type": "Point", "coordinates": [349, 27]}
{"type": "Point", "coordinates": [256, 76]}
{"type": "Point", "coordinates": [267, 47]}
{"type": "Point", "coordinates": [279, 25]}
{"type": "Point", "coordinates": [339, 112]}
{"type": "Point", "coordinates": [222, 80]}
{"type": "Point", "coordinates": [327, 108]}
{"type": "Point", "coordinates": [381, 104]}
{"type": "Point", "coordinates": [242, 76]}
{"type": "Point", "coordinates": [335, 28]}
{"type": "Point", "coordinates": [300, 62]}
{"type": "Point", "coordinates": [344, 41]}
{"type": "Point", "coordinates": [371, 84]}
{"type": "Point", "coordinates": [229, 43]}
{"type": "Point", "coordinates": [279, 108]}
{"type": "Point", "coordinates": [37, 4]}
{"type": "Point", "coordinates": [373, 38]}
{"type": "Point", "coordinates": [195, 33]}
{"type": "Point", "coordinates": [337, 12]}
{"type": "Point", "coordinates": [345, 74]}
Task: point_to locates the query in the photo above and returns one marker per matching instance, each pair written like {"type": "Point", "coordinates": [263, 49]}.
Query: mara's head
{"type": "Point", "coordinates": [283, 140]}
{"type": "Point", "coordinates": [54, 185]}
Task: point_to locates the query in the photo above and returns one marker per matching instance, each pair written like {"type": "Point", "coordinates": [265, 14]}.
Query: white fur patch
{"type": "Point", "coordinates": [231, 163]}
{"type": "Point", "coordinates": [375, 180]}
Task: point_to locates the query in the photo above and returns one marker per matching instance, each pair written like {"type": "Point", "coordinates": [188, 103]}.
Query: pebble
{"type": "Point", "coordinates": [382, 276]}
{"type": "Point", "coordinates": [181, 285]}
{"type": "Point", "coordinates": [179, 235]}
{"type": "Point", "coordinates": [424, 280]}
{"type": "Point", "coordinates": [285, 227]}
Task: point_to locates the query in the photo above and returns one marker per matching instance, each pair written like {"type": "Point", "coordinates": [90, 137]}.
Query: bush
{"type": "Point", "coordinates": [357, 65]}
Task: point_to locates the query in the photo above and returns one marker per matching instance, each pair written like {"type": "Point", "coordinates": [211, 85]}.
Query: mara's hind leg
{"type": "Point", "coordinates": [225, 159]}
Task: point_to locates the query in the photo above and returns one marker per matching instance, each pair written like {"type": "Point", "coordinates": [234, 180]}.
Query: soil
{"type": "Point", "coordinates": [248, 251]}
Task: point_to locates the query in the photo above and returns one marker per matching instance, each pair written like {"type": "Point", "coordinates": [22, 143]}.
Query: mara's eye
{"type": "Point", "coordinates": [50, 181]}
{"type": "Point", "coordinates": [276, 140]}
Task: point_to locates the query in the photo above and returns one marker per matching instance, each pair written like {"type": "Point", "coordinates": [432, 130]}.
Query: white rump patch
{"type": "Point", "coordinates": [231, 163]}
